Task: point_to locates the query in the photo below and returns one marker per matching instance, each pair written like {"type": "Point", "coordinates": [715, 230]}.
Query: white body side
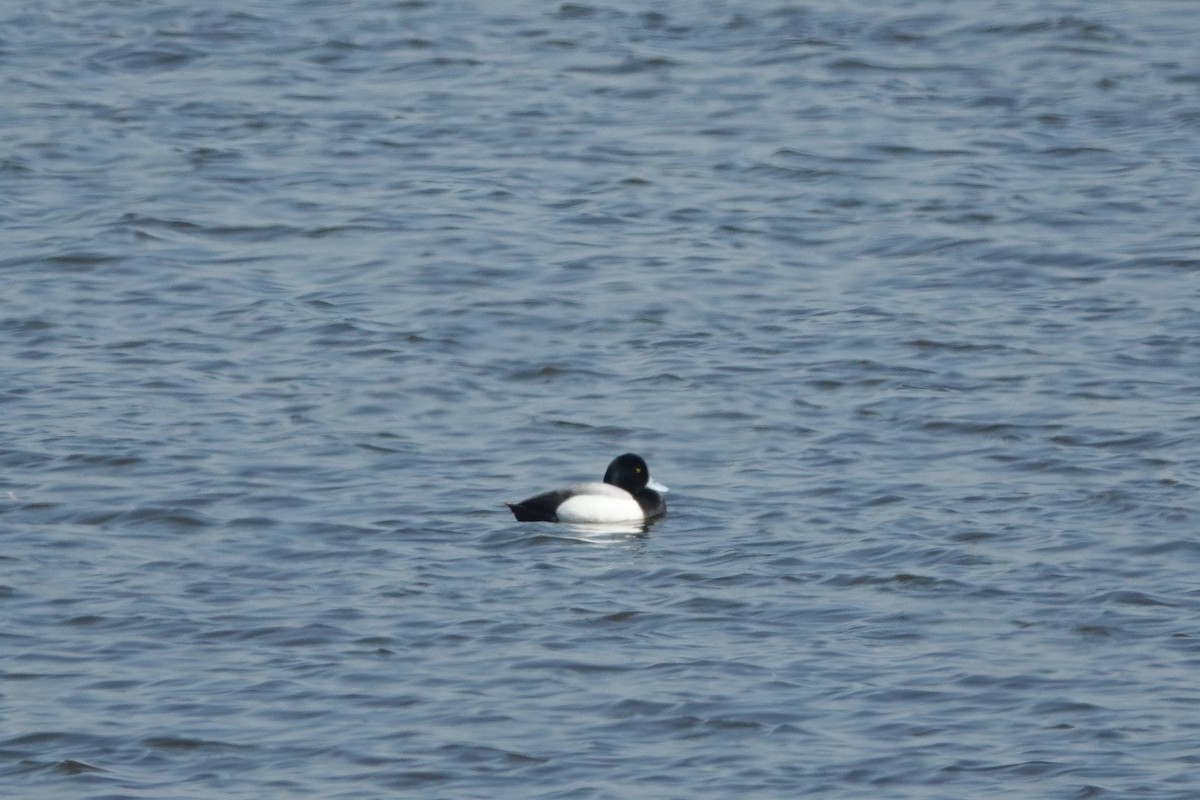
{"type": "Point", "coordinates": [599, 502]}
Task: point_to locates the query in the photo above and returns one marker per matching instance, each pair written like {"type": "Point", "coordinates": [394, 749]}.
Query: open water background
{"type": "Point", "coordinates": [900, 299]}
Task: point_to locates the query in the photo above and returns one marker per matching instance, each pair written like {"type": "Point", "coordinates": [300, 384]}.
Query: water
{"type": "Point", "coordinates": [900, 301]}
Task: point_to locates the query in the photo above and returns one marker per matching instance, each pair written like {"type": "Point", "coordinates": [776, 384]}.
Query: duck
{"type": "Point", "coordinates": [627, 494]}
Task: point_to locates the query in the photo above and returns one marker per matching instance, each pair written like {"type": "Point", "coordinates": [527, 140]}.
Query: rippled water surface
{"type": "Point", "coordinates": [900, 299]}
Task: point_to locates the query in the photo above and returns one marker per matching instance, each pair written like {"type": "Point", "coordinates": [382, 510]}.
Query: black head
{"type": "Point", "coordinates": [629, 472]}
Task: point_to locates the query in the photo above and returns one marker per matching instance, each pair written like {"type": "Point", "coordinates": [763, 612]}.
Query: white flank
{"type": "Point", "coordinates": [600, 508]}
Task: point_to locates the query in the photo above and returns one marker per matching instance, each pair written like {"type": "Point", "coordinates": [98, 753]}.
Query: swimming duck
{"type": "Point", "coordinates": [627, 494]}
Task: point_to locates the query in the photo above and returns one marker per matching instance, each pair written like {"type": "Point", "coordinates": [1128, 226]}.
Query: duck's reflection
{"type": "Point", "coordinates": [607, 532]}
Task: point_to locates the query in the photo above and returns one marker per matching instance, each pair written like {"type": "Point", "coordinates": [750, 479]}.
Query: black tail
{"type": "Point", "coordinates": [525, 513]}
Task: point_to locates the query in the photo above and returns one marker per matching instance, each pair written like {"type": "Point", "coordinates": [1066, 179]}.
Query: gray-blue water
{"type": "Point", "coordinates": [902, 301]}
